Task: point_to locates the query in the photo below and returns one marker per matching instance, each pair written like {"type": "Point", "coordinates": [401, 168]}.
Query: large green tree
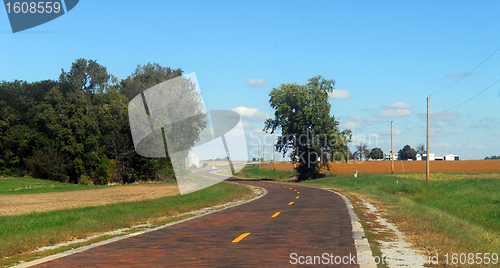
{"type": "Point", "coordinates": [376, 153]}
{"type": "Point", "coordinates": [309, 134]}
{"type": "Point", "coordinates": [407, 153]}
{"type": "Point", "coordinates": [146, 76]}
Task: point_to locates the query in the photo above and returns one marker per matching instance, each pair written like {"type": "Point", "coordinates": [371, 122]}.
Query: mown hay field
{"type": "Point", "coordinates": [370, 167]}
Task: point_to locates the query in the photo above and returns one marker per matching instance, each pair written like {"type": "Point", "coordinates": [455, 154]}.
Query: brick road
{"type": "Point", "coordinates": [317, 222]}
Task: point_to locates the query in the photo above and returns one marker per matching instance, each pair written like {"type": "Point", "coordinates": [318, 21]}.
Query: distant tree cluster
{"type": "Point", "coordinates": [406, 153]}
{"type": "Point", "coordinates": [376, 154]}
{"type": "Point", "coordinates": [76, 129]}
{"type": "Point", "coordinates": [492, 157]}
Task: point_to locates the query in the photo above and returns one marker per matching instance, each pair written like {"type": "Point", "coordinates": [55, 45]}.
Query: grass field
{"type": "Point", "coordinates": [454, 213]}
{"type": "Point", "coordinates": [21, 234]}
{"type": "Point", "coordinates": [253, 171]}
{"type": "Point", "coordinates": [448, 216]}
{"type": "Point", "coordinates": [379, 167]}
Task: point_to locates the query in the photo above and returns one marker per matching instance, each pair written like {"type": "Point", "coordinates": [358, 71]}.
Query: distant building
{"type": "Point", "coordinates": [451, 157]}
{"type": "Point", "coordinates": [193, 160]}
{"type": "Point", "coordinates": [387, 156]}
{"type": "Point", "coordinates": [423, 157]}
{"type": "Point", "coordinates": [448, 157]}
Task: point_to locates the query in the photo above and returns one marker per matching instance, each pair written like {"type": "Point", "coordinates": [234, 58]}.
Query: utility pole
{"type": "Point", "coordinates": [274, 157]}
{"type": "Point", "coordinates": [258, 146]}
{"type": "Point", "coordinates": [264, 154]}
{"type": "Point", "coordinates": [428, 156]}
{"type": "Point", "coordinates": [392, 152]}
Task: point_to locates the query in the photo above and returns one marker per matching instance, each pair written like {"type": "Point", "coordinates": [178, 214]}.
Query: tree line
{"type": "Point", "coordinates": [76, 129]}
{"type": "Point", "coordinates": [407, 152]}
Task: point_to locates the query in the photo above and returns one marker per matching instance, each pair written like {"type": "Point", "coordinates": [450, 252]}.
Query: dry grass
{"type": "Point", "coordinates": [41, 202]}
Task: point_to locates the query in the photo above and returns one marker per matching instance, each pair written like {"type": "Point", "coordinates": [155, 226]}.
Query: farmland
{"type": "Point", "coordinates": [415, 167]}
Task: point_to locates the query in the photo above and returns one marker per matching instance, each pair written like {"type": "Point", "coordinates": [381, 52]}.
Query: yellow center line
{"type": "Point", "coordinates": [276, 214]}
{"type": "Point", "coordinates": [290, 203]}
{"type": "Point", "coordinates": [298, 192]}
{"type": "Point", "coordinates": [297, 197]}
{"type": "Point", "coordinates": [238, 239]}
{"type": "Point", "coordinates": [295, 190]}
{"type": "Point", "coordinates": [284, 186]}
{"type": "Point", "coordinates": [290, 188]}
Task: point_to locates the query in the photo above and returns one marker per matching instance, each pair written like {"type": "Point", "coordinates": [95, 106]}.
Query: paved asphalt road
{"type": "Point", "coordinates": [288, 220]}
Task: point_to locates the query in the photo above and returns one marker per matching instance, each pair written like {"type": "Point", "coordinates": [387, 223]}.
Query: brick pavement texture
{"type": "Point", "coordinates": [316, 223]}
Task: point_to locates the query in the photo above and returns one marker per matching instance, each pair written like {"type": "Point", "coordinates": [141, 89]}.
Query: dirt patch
{"type": "Point", "coordinates": [27, 203]}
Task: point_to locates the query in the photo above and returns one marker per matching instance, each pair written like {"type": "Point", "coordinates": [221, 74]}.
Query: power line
{"type": "Point", "coordinates": [407, 117]}
{"type": "Point", "coordinates": [467, 73]}
{"type": "Point", "coordinates": [414, 125]}
{"type": "Point", "coordinates": [404, 119]}
{"type": "Point", "coordinates": [482, 91]}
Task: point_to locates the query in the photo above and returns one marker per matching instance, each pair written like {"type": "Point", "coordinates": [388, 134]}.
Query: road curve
{"type": "Point", "coordinates": [280, 229]}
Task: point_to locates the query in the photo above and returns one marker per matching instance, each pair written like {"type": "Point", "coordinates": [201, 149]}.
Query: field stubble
{"type": "Point", "coordinates": [415, 167]}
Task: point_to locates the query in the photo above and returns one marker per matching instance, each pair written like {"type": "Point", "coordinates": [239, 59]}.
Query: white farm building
{"type": "Point", "coordinates": [451, 157]}
{"type": "Point", "coordinates": [193, 160]}
{"type": "Point", "coordinates": [432, 157]}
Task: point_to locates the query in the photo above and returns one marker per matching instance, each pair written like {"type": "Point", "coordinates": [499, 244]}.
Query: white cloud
{"type": "Point", "coordinates": [395, 113]}
{"type": "Point", "coordinates": [358, 138]}
{"type": "Point", "coordinates": [249, 126]}
{"type": "Point", "coordinates": [398, 105]}
{"type": "Point", "coordinates": [366, 119]}
{"type": "Point", "coordinates": [483, 126]}
{"type": "Point", "coordinates": [387, 132]}
{"type": "Point", "coordinates": [441, 144]}
{"type": "Point", "coordinates": [251, 114]}
{"type": "Point", "coordinates": [491, 119]}
{"type": "Point", "coordinates": [454, 75]}
{"type": "Point", "coordinates": [478, 147]}
{"type": "Point", "coordinates": [444, 123]}
{"type": "Point", "coordinates": [350, 125]}
{"type": "Point", "coordinates": [256, 83]}
{"type": "Point", "coordinates": [339, 94]}
{"type": "Point", "coordinates": [438, 132]}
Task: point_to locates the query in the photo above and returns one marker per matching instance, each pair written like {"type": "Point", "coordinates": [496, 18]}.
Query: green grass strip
{"type": "Point", "coordinates": [253, 172]}
{"type": "Point", "coordinates": [19, 234]}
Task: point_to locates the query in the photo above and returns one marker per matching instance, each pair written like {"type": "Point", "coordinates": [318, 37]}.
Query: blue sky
{"type": "Point", "coordinates": [385, 56]}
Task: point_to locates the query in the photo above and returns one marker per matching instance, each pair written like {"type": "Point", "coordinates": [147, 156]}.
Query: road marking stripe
{"type": "Point", "coordinates": [297, 197]}
{"type": "Point", "coordinates": [276, 214]}
{"type": "Point", "coordinates": [295, 190]}
{"type": "Point", "coordinates": [298, 192]}
{"type": "Point", "coordinates": [238, 239]}
{"type": "Point", "coordinates": [284, 186]}
{"type": "Point", "coordinates": [290, 188]}
{"type": "Point", "coordinates": [290, 203]}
